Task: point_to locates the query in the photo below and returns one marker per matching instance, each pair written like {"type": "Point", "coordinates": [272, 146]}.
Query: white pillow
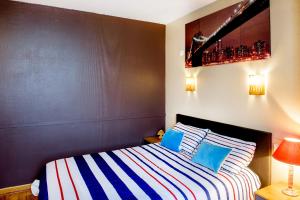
{"type": "Point", "coordinates": [241, 155]}
{"type": "Point", "coordinates": [192, 137]}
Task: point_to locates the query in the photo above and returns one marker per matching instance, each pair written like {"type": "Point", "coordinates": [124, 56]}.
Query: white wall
{"type": "Point", "coordinates": [222, 91]}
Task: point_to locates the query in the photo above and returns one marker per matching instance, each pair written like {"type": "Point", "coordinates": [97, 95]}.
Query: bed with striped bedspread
{"type": "Point", "coordinates": [143, 172]}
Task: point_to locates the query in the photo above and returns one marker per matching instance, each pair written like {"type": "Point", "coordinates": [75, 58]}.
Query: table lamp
{"type": "Point", "coordinates": [289, 153]}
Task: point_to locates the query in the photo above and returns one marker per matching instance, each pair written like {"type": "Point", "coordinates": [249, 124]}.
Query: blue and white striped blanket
{"type": "Point", "coordinates": [144, 172]}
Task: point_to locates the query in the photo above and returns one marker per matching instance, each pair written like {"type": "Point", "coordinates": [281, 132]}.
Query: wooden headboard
{"type": "Point", "coordinates": [261, 163]}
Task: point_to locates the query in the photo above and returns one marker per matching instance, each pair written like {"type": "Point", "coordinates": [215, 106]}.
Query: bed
{"type": "Point", "coordinates": [155, 172]}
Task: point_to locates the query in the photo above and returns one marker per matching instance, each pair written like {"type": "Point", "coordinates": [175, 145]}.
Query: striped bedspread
{"type": "Point", "coordinates": [144, 172]}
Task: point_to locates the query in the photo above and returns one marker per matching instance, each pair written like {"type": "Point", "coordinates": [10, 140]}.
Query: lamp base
{"type": "Point", "coordinates": [290, 192]}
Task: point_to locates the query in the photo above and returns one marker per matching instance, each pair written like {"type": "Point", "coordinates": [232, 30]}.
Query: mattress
{"type": "Point", "coordinates": [143, 172]}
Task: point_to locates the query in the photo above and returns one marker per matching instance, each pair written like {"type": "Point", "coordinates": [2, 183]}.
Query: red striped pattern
{"type": "Point", "coordinates": [249, 187]}
{"type": "Point", "coordinates": [166, 173]}
{"type": "Point", "coordinates": [70, 176]}
{"type": "Point", "coordinates": [59, 183]}
{"type": "Point", "coordinates": [150, 175]}
{"type": "Point", "coordinates": [231, 185]}
{"type": "Point", "coordinates": [239, 186]}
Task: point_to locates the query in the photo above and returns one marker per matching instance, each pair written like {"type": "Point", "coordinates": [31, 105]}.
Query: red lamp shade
{"type": "Point", "coordinates": [288, 151]}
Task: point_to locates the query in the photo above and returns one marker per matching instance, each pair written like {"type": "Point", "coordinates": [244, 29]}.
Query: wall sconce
{"type": "Point", "coordinates": [190, 84]}
{"type": "Point", "coordinates": [257, 85]}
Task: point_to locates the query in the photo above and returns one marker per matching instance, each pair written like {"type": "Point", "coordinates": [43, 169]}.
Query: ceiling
{"type": "Point", "coordinates": [158, 11]}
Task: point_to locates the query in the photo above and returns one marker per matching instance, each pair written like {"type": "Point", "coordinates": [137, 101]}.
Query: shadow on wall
{"type": "Point", "coordinates": [290, 127]}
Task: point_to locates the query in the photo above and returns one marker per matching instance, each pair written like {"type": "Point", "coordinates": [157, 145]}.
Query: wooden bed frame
{"type": "Point", "coordinates": [261, 163]}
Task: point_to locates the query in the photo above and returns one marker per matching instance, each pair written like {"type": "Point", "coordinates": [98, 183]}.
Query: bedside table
{"type": "Point", "coordinates": [273, 192]}
{"type": "Point", "coordinates": [151, 140]}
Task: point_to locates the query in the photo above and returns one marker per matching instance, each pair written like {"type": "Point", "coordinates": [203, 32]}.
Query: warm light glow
{"type": "Point", "coordinates": [292, 139]}
{"type": "Point", "coordinates": [190, 84]}
{"type": "Point", "coordinates": [257, 85]}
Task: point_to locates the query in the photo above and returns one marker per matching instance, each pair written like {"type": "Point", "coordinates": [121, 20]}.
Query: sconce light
{"type": "Point", "coordinates": [190, 84]}
{"type": "Point", "coordinates": [257, 85]}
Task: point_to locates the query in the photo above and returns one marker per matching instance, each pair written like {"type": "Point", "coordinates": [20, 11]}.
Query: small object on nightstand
{"type": "Point", "coordinates": [160, 134]}
{"type": "Point", "coordinates": [273, 192]}
{"type": "Point", "coordinates": [151, 140]}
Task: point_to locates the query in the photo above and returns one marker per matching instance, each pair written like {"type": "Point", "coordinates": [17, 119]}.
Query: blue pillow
{"type": "Point", "coordinates": [211, 156]}
{"type": "Point", "coordinates": [172, 140]}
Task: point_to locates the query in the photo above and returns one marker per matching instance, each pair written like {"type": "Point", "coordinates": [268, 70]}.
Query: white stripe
{"type": "Point", "coordinates": [132, 186]}
{"type": "Point", "coordinates": [82, 190]}
{"type": "Point", "coordinates": [192, 128]}
{"type": "Point", "coordinates": [166, 194]}
{"type": "Point", "coordinates": [231, 185]}
{"type": "Point", "coordinates": [160, 190]}
{"type": "Point", "coordinates": [192, 137]}
{"type": "Point", "coordinates": [167, 176]}
{"type": "Point", "coordinates": [236, 184]}
{"type": "Point", "coordinates": [52, 182]}
{"type": "Point", "coordinates": [244, 186]}
{"type": "Point", "coordinates": [209, 174]}
{"type": "Point", "coordinates": [255, 176]}
{"type": "Point", "coordinates": [66, 183]}
{"type": "Point", "coordinates": [212, 191]}
{"type": "Point", "coordinates": [237, 144]}
{"type": "Point", "coordinates": [108, 188]}
{"type": "Point", "coordinates": [251, 178]}
{"type": "Point", "coordinates": [242, 142]}
{"type": "Point", "coordinates": [231, 180]}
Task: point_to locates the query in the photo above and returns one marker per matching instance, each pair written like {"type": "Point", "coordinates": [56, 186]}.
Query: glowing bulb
{"type": "Point", "coordinates": [190, 84]}
{"type": "Point", "coordinates": [257, 84]}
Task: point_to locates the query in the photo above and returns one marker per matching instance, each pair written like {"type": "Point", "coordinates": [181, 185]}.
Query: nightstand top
{"type": "Point", "coordinates": [273, 192]}
{"type": "Point", "coordinates": [152, 139]}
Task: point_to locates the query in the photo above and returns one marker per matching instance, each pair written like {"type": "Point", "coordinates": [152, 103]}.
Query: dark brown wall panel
{"type": "Point", "coordinates": [74, 82]}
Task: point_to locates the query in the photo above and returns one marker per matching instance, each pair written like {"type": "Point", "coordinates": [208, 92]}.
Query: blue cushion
{"type": "Point", "coordinates": [172, 140]}
{"type": "Point", "coordinates": [211, 156]}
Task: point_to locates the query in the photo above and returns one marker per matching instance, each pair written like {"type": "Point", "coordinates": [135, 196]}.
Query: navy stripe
{"type": "Point", "coordinates": [240, 141]}
{"type": "Point", "coordinates": [211, 140]}
{"type": "Point", "coordinates": [113, 178]}
{"type": "Point", "coordinates": [191, 164]}
{"type": "Point", "coordinates": [242, 148]}
{"type": "Point", "coordinates": [193, 132]}
{"type": "Point", "coordinates": [187, 153]}
{"type": "Point", "coordinates": [232, 163]}
{"type": "Point", "coordinates": [241, 184]}
{"type": "Point", "coordinates": [192, 140]}
{"type": "Point", "coordinates": [193, 135]}
{"type": "Point", "coordinates": [250, 180]}
{"type": "Point", "coordinates": [43, 195]}
{"type": "Point", "coordinates": [231, 169]}
{"type": "Point", "coordinates": [198, 183]}
{"type": "Point", "coordinates": [139, 181]}
{"type": "Point", "coordinates": [245, 184]}
{"type": "Point", "coordinates": [239, 157]}
{"type": "Point", "coordinates": [188, 146]}
{"type": "Point", "coordinates": [192, 169]}
{"type": "Point", "coordinates": [238, 188]}
{"type": "Point", "coordinates": [89, 178]}
{"type": "Point", "coordinates": [189, 127]}
{"type": "Point", "coordinates": [248, 148]}
{"type": "Point", "coordinates": [257, 181]}
{"type": "Point", "coordinates": [183, 194]}
{"type": "Point", "coordinates": [250, 176]}
{"type": "Point", "coordinates": [232, 178]}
